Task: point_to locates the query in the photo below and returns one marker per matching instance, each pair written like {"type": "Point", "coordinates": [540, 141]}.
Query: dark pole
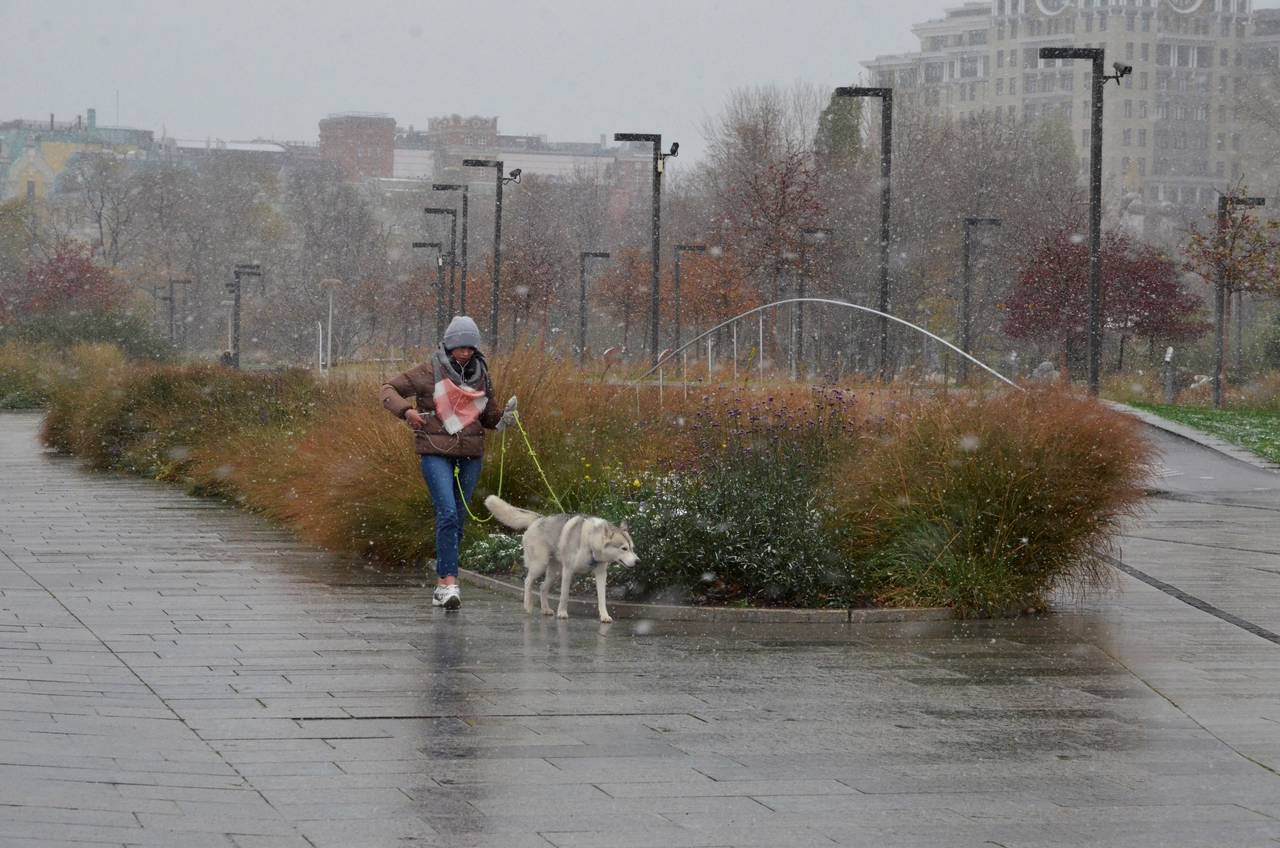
{"type": "Point", "coordinates": [811, 235]}
{"type": "Point", "coordinates": [658, 159]}
{"type": "Point", "coordinates": [453, 247]}
{"type": "Point", "coordinates": [886, 172]}
{"type": "Point", "coordinates": [235, 323]}
{"type": "Point", "coordinates": [173, 312]}
{"type": "Point", "coordinates": [1095, 55]}
{"type": "Point", "coordinates": [1095, 226]}
{"type": "Point", "coordinates": [966, 341]}
{"type": "Point", "coordinates": [1225, 205]}
{"type": "Point", "coordinates": [462, 284]}
{"type": "Point", "coordinates": [1239, 332]}
{"type": "Point", "coordinates": [500, 181]}
{"type": "Point", "coordinates": [173, 309]}
{"type": "Point", "coordinates": [582, 300]}
{"type": "Point", "coordinates": [241, 270]}
{"type": "Point", "coordinates": [453, 258]}
{"type": "Point", "coordinates": [682, 248]}
{"type": "Point", "coordinates": [440, 321]}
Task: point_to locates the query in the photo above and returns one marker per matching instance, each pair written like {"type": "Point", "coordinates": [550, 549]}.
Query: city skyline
{"type": "Point", "coordinates": [275, 73]}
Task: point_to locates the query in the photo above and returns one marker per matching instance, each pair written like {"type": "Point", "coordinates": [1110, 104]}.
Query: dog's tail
{"type": "Point", "coordinates": [511, 516]}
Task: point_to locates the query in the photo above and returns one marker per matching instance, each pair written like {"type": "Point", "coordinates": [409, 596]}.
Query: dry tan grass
{"type": "Point", "coordinates": [988, 504]}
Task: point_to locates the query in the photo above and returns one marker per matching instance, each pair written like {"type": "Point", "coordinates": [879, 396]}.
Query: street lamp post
{"type": "Point", "coordinates": [582, 299]}
{"type": "Point", "coordinates": [1225, 205]}
{"type": "Point", "coordinates": [462, 285]}
{"type": "Point", "coordinates": [439, 248]}
{"type": "Point", "coordinates": [682, 248]}
{"type": "Point", "coordinates": [1099, 79]}
{"type": "Point", "coordinates": [499, 182]}
{"type": "Point", "coordinates": [886, 172]}
{"type": "Point", "coordinates": [659, 160]}
{"type": "Point", "coordinates": [967, 290]}
{"type": "Point", "coordinates": [173, 308]}
{"type": "Point", "coordinates": [244, 269]}
{"type": "Point", "coordinates": [328, 285]}
{"type": "Point", "coordinates": [171, 300]}
{"type": "Point", "coordinates": [811, 236]}
{"type": "Point", "coordinates": [453, 249]}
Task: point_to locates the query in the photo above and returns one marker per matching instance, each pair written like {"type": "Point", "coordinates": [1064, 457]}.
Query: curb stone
{"type": "Point", "coordinates": [1191, 434]}
{"type": "Point", "coordinates": [732, 615]}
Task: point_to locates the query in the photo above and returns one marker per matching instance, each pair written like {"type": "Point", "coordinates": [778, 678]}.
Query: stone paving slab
{"type": "Point", "coordinates": [177, 673]}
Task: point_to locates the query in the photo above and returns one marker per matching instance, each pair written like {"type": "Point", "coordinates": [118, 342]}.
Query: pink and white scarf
{"type": "Point", "coordinates": [457, 402]}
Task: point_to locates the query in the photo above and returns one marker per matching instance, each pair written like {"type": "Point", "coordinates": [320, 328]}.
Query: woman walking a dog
{"type": "Point", "coordinates": [453, 405]}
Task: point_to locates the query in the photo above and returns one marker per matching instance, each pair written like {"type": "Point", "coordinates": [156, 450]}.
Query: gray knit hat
{"type": "Point", "coordinates": [462, 332]}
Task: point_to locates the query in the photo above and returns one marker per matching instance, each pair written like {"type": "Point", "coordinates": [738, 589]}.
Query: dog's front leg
{"type": "Point", "coordinates": [601, 571]}
{"type": "Point", "coordinates": [566, 579]}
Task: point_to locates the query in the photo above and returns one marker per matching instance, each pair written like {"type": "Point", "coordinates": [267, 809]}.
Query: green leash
{"type": "Point", "coordinates": [502, 461]}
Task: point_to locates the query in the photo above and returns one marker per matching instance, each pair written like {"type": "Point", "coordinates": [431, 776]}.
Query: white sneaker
{"type": "Point", "coordinates": [449, 597]}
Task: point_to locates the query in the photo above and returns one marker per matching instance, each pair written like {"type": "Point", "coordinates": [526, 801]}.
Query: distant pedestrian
{"type": "Point", "coordinates": [453, 404]}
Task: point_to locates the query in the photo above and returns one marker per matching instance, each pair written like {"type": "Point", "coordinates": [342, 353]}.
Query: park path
{"type": "Point", "coordinates": [177, 673]}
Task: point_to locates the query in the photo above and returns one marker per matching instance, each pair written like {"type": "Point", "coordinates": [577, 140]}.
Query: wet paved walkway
{"type": "Point", "coordinates": [177, 673]}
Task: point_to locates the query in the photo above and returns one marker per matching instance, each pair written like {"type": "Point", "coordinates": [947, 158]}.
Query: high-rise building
{"type": "Point", "coordinates": [1173, 134]}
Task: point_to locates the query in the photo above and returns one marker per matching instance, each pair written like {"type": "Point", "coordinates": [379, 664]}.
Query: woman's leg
{"type": "Point", "coordinates": [468, 475]}
{"type": "Point", "coordinates": [437, 471]}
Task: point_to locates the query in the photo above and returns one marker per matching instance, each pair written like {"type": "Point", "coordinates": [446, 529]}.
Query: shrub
{"type": "Point", "coordinates": [352, 483]}
{"type": "Point", "coordinates": [495, 553]}
{"type": "Point", "coordinates": [87, 369]}
{"type": "Point", "coordinates": [986, 506]}
{"type": "Point", "coordinates": [26, 372]}
{"type": "Point", "coordinates": [133, 334]}
{"type": "Point", "coordinates": [745, 520]}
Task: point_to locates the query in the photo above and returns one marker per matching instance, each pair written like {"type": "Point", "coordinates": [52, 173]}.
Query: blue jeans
{"type": "Point", "coordinates": [451, 508]}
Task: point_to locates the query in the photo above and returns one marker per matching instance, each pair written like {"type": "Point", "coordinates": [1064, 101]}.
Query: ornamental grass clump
{"type": "Point", "coordinates": [26, 372]}
{"type": "Point", "coordinates": [148, 419]}
{"type": "Point", "coordinates": [989, 505]}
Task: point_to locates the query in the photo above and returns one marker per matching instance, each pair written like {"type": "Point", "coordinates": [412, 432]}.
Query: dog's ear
{"type": "Point", "coordinates": [623, 526]}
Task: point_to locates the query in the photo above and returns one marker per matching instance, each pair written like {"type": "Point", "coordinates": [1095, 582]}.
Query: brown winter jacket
{"type": "Point", "coordinates": [432, 439]}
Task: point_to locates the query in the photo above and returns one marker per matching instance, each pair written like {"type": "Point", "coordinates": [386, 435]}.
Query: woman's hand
{"type": "Point", "coordinates": [415, 419]}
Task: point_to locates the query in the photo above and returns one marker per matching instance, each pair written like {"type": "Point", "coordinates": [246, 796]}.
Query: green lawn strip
{"type": "Point", "coordinates": [1254, 429]}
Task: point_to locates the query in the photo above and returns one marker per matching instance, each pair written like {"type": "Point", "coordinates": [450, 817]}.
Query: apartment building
{"type": "Point", "coordinates": [1173, 133]}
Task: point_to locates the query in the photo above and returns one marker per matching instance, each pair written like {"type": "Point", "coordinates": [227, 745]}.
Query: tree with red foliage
{"type": "Point", "coordinates": [1142, 295]}
{"type": "Point", "coordinates": [714, 287]}
{"type": "Point", "coordinates": [1243, 249]}
{"type": "Point", "coordinates": [623, 289]}
{"type": "Point", "coordinates": [66, 282]}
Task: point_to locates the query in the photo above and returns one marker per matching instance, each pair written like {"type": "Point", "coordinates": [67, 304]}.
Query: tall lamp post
{"type": "Point", "coordinates": [582, 299]}
{"type": "Point", "coordinates": [1099, 79]}
{"type": "Point", "coordinates": [462, 285]}
{"type": "Point", "coordinates": [439, 248]}
{"type": "Point", "coordinates": [659, 160]}
{"type": "Point", "coordinates": [1225, 205]}
{"type": "Point", "coordinates": [329, 284]}
{"type": "Point", "coordinates": [244, 269]}
{"type": "Point", "coordinates": [811, 236]}
{"type": "Point", "coordinates": [967, 290]}
{"type": "Point", "coordinates": [499, 182]}
{"type": "Point", "coordinates": [682, 248]}
{"type": "Point", "coordinates": [453, 248]}
{"type": "Point", "coordinates": [172, 301]}
{"type": "Point", "coordinates": [886, 171]}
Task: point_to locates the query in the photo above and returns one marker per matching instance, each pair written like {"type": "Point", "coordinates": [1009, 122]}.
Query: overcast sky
{"type": "Point", "coordinates": [570, 69]}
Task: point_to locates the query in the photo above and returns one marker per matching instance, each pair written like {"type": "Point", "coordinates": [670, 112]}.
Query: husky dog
{"type": "Point", "coordinates": [574, 544]}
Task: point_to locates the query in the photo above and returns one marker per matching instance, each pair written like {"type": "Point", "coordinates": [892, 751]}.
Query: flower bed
{"type": "Point", "coordinates": [795, 497]}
